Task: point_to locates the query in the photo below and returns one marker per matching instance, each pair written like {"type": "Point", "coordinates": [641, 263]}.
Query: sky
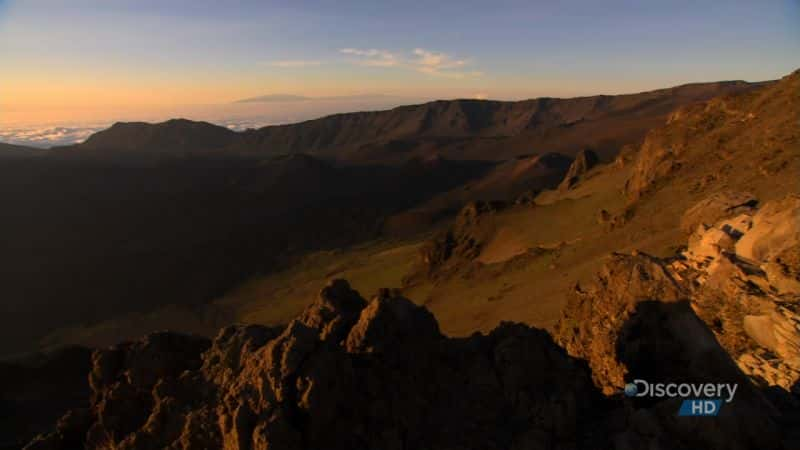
{"type": "Point", "coordinates": [82, 64]}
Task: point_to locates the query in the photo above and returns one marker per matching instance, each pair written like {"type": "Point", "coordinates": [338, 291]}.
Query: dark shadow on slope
{"type": "Point", "coordinates": [36, 391]}
{"type": "Point", "coordinates": [668, 343]}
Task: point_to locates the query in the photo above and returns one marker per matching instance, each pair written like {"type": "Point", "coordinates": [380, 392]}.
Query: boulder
{"type": "Point", "coordinates": [776, 228]}
{"type": "Point", "coordinates": [777, 331]}
{"type": "Point", "coordinates": [709, 243]}
{"type": "Point", "coordinates": [719, 206]}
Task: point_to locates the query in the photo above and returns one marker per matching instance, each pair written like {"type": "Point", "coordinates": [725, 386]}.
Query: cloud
{"type": "Point", "coordinates": [295, 63]}
{"type": "Point", "coordinates": [442, 65]}
{"type": "Point", "coordinates": [46, 136]}
{"type": "Point", "coordinates": [436, 60]}
{"type": "Point", "coordinates": [421, 60]}
{"type": "Point", "coordinates": [373, 57]}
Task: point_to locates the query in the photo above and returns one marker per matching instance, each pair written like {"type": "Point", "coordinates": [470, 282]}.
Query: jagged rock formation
{"type": "Point", "coordinates": [461, 242]}
{"type": "Point", "coordinates": [584, 160]}
{"type": "Point", "coordinates": [345, 374]}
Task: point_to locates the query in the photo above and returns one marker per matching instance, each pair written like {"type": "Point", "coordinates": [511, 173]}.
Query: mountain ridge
{"type": "Point", "coordinates": [462, 128]}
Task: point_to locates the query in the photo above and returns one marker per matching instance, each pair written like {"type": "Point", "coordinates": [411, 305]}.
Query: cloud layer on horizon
{"type": "Point", "coordinates": [48, 136]}
{"type": "Point", "coordinates": [255, 113]}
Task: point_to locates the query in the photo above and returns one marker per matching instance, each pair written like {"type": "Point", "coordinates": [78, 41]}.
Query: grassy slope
{"type": "Point", "coordinates": [519, 282]}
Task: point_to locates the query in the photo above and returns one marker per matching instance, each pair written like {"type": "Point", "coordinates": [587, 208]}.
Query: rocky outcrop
{"type": "Point", "coordinates": [583, 162]}
{"type": "Point", "coordinates": [724, 309]}
{"type": "Point", "coordinates": [775, 231]}
{"type": "Point", "coordinates": [461, 242]}
{"type": "Point", "coordinates": [594, 319]}
{"type": "Point", "coordinates": [718, 206]}
{"type": "Point", "coordinates": [345, 374]}
{"type": "Point", "coordinates": [744, 273]}
{"type": "Point", "coordinates": [655, 160]}
{"type": "Point", "coordinates": [740, 275]}
{"type": "Point", "coordinates": [636, 321]}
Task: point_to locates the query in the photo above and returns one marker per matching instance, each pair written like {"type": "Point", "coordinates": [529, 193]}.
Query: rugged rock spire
{"type": "Point", "coordinates": [584, 160]}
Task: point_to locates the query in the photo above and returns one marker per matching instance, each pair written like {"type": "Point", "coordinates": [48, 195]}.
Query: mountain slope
{"type": "Point", "coordinates": [738, 139]}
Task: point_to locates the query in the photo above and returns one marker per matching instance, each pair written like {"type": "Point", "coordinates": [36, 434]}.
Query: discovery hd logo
{"type": "Point", "coordinates": [700, 399]}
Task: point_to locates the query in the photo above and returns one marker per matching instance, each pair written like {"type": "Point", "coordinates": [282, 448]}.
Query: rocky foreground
{"type": "Point", "coordinates": [355, 374]}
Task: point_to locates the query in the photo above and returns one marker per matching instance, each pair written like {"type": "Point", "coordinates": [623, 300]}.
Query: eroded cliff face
{"type": "Point", "coordinates": [350, 373]}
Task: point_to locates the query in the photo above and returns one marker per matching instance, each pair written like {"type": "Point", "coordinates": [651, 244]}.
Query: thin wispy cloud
{"type": "Point", "coordinates": [372, 57]}
{"type": "Point", "coordinates": [295, 63]}
{"type": "Point", "coordinates": [421, 60]}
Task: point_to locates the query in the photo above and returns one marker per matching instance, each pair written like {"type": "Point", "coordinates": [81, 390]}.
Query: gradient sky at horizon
{"type": "Point", "coordinates": [59, 57]}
